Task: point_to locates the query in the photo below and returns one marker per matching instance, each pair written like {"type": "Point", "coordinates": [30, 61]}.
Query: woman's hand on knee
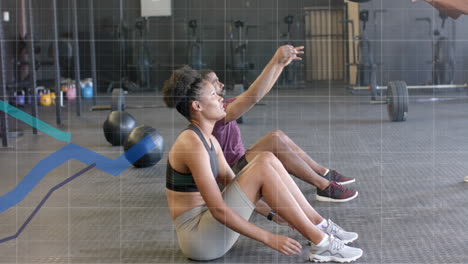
{"type": "Point", "coordinates": [284, 244]}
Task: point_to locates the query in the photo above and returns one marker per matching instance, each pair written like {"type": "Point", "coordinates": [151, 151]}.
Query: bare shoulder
{"type": "Point", "coordinates": [187, 140]}
{"type": "Point", "coordinates": [185, 145]}
{"type": "Point", "coordinates": [187, 133]}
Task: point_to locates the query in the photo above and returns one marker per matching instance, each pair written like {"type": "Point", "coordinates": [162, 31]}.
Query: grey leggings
{"type": "Point", "coordinates": [201, 236]}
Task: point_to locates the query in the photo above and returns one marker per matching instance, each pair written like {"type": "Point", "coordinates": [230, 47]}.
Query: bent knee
{"type": "Point", "coordinates": [277, 135]}
{"type": "Point", "coordinates": [265, 156]}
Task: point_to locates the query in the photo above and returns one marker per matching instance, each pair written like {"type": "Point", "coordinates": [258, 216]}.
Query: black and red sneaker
{"type": "Point", "coordinates": [336, 193]}
{"type": "Point", "coordinates": [335, 176]}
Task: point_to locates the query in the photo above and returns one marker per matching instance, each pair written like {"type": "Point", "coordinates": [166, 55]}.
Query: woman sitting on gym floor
{"type": "Point", "coordinates": [296, 161]}
{"type": "Point", "coordinates": [208, 221]}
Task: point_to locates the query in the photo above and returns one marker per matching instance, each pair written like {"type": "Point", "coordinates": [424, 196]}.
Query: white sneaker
{"type": "Point", "coordinates": [335, 251]}
{"type": "Point", "coordinates": [340, 233]}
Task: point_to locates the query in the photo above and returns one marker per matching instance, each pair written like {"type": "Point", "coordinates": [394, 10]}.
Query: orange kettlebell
{"type": "Point", "coordinates": [45, 99]}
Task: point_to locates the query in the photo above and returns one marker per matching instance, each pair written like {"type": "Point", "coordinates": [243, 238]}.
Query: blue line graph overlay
{"type": "Point", "coordinates": [68, 152]}
{"type": "Point", "coordinates": [53, 189]}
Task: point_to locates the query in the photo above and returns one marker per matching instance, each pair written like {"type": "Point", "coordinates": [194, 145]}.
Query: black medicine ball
{"type": "Point", "coordinates": [154, 155]}
{"type": "Point", "coordinates": [118, 126]}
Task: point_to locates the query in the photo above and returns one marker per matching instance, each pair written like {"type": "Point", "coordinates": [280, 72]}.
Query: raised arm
{"type": "Point", "coordinates": [264, 82]}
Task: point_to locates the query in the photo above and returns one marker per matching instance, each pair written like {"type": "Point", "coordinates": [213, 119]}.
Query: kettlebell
{"type": "Point", "coordinates": [19, 98]}
{"type": "Point", "coordinates": [46, 99]}
{"type": "Point", "coordinates": [71, 93]}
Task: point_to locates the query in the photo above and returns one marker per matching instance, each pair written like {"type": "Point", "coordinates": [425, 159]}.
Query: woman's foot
{"type": "Point", "coordinates": [335, 176]}
{"type": "Point", "coordinates": [336, 193]}
{"type": "Point", "coordinates": [338, 232]}
{"type": "Point", "coordinates": [333, 250]}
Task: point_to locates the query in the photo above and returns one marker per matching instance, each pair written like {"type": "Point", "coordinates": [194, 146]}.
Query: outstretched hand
{"type": "Point", "coordinates": [287, 53]}
{"type": "Point", "coordinates": [284, 244]}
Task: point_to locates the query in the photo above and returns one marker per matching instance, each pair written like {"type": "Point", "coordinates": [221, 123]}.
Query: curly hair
{"type": "Point", "coordinates": [205, 72]}
{"type": "Point", "coordinates": [181, 89]}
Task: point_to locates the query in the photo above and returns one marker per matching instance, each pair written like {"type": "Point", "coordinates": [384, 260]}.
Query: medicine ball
{"type": "Point", "coordinates": [153, 155]}
{"type": "Point", "coordinates": [118, 126]}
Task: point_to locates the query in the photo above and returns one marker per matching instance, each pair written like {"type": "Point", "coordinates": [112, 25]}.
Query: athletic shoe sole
{"type": "Point", "coordinates": [346, 242]}
{"type": "Point", "coordinates": [346, 182]}
{"type": "Point", "coordinates": [349, 241]}
{"type": "Point", "coordinates": [318, 258]}
{"type": "Point", "coordinates": [328, 199]}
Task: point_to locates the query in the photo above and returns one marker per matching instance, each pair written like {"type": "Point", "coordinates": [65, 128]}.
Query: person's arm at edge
{"type": "Point", "coordinates": [451, 8]}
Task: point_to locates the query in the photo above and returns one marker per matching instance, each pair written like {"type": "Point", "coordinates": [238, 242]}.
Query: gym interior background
{"type": "Point", "coordinates": [412, 206]}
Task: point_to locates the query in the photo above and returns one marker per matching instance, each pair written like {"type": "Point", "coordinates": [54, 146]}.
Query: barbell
{"type": "Point", "coordinates": [397, 96]}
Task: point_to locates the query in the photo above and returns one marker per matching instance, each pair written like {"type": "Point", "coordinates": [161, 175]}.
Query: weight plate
{"type": "Point", "coordinates": [397, 101]}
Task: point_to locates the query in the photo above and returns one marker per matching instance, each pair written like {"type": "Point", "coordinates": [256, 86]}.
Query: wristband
{"type": "Point", "coordinates": [271, 215]}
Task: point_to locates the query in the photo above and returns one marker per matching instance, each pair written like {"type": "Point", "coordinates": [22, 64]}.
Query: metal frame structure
{"type": "Point", "coordinates": [3, 114]}
{"type": "Point", "coordinates": [4, 127]}
{"type": "Point", "coordinates": [33, 59]}
{"type": "Point", "coordinates": [92, 46]}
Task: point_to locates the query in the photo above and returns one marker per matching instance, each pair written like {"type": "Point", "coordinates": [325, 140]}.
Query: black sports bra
{"type": "Point", "coordinates": [181, 182]}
